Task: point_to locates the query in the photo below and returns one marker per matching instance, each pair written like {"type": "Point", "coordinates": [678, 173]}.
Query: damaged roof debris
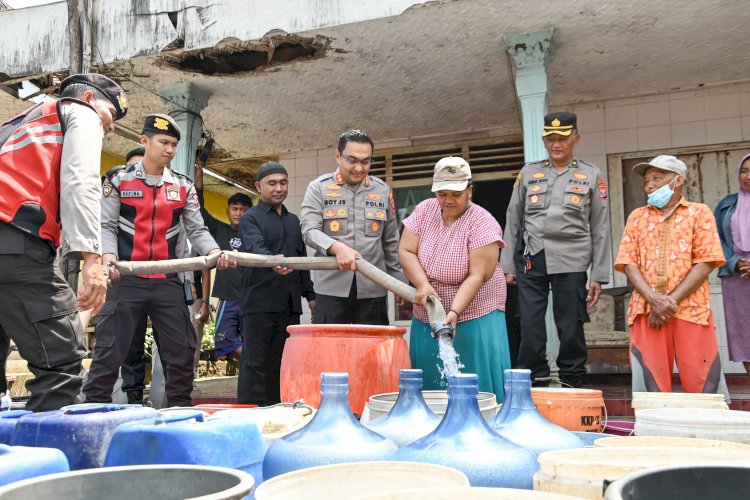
{"type": "Point", "coordinates": [233, 55]}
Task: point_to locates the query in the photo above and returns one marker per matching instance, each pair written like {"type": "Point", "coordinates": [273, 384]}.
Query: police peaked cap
{"type": "Point", "coordinates": [103, 84]}
{"type": "Point", "coordinates": [161, 124]}
{"type": "Point", "coordinates": [562, 123]}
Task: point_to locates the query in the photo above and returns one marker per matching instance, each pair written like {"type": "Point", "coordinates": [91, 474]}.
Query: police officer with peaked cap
{"type": "Point", "coordinates": [49, 179]}
{"type": "Point", "coordinates": [143, 207]}
{"type": "Point", "coordinates": [557, 228]}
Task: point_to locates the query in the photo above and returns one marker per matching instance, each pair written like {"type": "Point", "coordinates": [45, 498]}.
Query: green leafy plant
{"type": "Point", "coordinates": [149, 343]}
{"type": "Point", "coordinates": [207, 344]}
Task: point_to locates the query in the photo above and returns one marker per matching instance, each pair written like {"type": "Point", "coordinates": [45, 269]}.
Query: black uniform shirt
{"type": "Point", "coordinates": [264, 231]}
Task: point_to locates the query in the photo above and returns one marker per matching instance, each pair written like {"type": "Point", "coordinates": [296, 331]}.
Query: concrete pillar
{"type": "Point", "coordinates": [185, 101]}
{"type": "Point", "coordinates": [530, 53]}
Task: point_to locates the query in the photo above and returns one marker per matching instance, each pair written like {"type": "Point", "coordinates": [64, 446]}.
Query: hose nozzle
{"type": "Point", "coordinates": [440, 329]}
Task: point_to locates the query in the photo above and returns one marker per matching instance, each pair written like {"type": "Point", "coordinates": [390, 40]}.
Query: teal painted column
{"type": "Point", "coordinates": [530, 53]}
{"type": "Point", "coordinates": [185, 101]}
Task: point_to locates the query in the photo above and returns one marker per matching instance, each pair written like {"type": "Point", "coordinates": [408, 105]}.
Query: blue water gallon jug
{"type": "Point", "coordinates": [520, 421]}
{"type": "Point", "coordinates": [333, 435]}
{"type": "Point", "coordinates": [8, 421]}
{"type": "Point", "coordinates": [24, 462]}
{"type": "Point", "coordinates": [81, 431]}
{"type": "Point", "coordinates": [189, 439]}
{"type": "Point", "coordinates": [410, 418]}
{"type": "Point", "coordinates": [465, 441]}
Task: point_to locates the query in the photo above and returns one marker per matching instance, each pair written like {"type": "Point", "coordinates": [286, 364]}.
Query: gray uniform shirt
{"type": "Point", "coordinates": [564, 213]}
{"type": "Point", "coordinates": [362, 217]}
{"type": "Point", "coordinates": [80, 184]}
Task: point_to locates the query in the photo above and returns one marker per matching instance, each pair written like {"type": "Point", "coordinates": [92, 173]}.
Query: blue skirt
{"type": "Point", "coordinates": [482, 347]}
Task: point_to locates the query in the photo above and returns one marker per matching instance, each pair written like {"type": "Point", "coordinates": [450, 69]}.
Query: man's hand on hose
{"type": "Point", "coordinates": [345, 256]}
{"type": "Point", "coordinates": [114, 274]}
{"type": "Point", "coordinates": [94, 290]}
{"type": "Point", "coordinates": [282, 270]}
{"type": "Point", "coordinates": [224, 262]}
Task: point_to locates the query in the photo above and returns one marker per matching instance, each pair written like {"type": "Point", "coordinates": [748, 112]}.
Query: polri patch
{"type": "Point", "coordinates": [173, 193]}
{"type": "Point", "coordinates": [107, 188]}
{"type": "Point", "coordinates": [602, 185]}
{"type": "Point", "coordinates": [131, 193]}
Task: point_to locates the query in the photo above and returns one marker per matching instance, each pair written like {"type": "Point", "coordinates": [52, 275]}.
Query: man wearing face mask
{"type": "Point", "coordinates": [668, 249]}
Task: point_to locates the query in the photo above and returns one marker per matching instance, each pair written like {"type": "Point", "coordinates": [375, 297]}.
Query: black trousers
{"type": "Point", "coordinates": [127, 300]}
{"type": "Point", "coordinates": [4, 351]}
{"type": "Point", "coordinates": [350, 310]}
{"type": "Point", "coordinates": [38, 312]}
{"type": "Point", "coordinates": [569, 309]}
{"type": "Point", "coordinates": [133, 370]}
{"type": "Point", "coordinates": [263, 339]}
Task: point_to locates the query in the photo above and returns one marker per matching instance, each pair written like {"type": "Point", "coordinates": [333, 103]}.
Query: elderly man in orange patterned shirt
{"type": "Point", "coordinates": [669, 248]}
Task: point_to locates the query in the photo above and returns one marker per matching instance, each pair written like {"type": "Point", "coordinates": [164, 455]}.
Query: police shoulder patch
{"type": "Point", "coordinates": [107, 188]}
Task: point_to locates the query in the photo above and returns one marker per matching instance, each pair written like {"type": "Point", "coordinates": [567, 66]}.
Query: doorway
{"type": "Point", "coordinates": [494, 196]}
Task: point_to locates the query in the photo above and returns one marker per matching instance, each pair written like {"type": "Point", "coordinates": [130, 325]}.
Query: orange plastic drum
{"type": "Point", "coordinates": [371, 354]}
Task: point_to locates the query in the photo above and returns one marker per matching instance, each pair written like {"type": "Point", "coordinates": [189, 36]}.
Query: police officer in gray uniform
{"type": "Point", "coordinates": [348, 213]}
{"type": "Point", "coordinates": [557, 227]}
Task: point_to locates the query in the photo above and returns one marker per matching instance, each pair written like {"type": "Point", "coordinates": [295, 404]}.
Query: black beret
{"type": "Point", "coordinates": [161, 124]}
{"type": "Point", "coordinates": [562, 123]}
{"type": "Point", "coordinates": [268, 168]}
{"type": "Point", "coordinates": [106, 86]}
{"type": "Point", "coordinates": [135, 152]}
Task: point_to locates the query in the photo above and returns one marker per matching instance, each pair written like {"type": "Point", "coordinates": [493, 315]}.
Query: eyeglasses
{"type": "Point", "coordinates": [353, 162]}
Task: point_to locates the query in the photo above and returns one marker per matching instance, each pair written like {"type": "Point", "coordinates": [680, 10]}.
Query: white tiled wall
{"type": "Point", "coordinates": [671, 120]}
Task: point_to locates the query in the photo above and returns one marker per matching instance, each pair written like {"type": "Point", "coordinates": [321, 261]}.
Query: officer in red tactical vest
{"type": "Point", "coordinates": [142, 207]}
{"type": "Point", "coordinates": [49, 198]}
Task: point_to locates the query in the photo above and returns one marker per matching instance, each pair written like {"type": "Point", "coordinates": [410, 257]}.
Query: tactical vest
{"type": "Point", "coordinates": [30, 170]}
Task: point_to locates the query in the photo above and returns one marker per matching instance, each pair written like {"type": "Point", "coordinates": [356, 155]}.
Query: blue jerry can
{"type": "Point", "coordinates": [8, 421]}
{"type": "Point", "coordinates": [191, 440]}
{"type": "Point", "coordinates": [23, 462]}
{"type": "Point", "coordinates": [81, 431]}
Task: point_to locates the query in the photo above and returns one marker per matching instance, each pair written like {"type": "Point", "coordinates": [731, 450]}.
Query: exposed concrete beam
{"type": "Point", "coordinates": [125, 29]}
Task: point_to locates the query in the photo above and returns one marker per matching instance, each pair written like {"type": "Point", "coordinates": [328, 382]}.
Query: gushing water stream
{"type": "Point", "coordinates": [451, 364]}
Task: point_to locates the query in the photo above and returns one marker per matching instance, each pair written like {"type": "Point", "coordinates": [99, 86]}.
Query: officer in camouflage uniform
{"type": "Point", "coordinates": [557, 228]}
{"type": "Point", "coordinates": [348, 213]}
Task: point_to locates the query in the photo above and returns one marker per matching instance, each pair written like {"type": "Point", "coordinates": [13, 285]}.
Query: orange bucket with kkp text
{"type": "Point", "coordinates": [572, 409]}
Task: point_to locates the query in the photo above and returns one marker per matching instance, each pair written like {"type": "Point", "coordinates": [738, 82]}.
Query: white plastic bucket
{"type": "Point", "coordinates": [349, 480]}
{"type": "Point", "coordinates": [582, 472]}
{"type": "Point", "coordinates": [649, 400]}
{"type": "Point", "coordinates": [380, 404]}
{"type": "Point", "coordinates": [671, 442]}
{"type": "Point", "coordinates": [466, 494]}
{"type": "Point", "coordinates": [722, 425]}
